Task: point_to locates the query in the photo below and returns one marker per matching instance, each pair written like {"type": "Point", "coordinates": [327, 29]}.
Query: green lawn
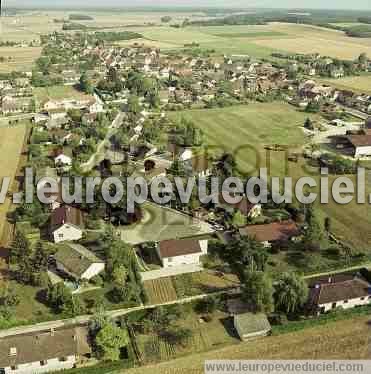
{"type": "Point", "coordinates": [246, 130]}
{"type": "Point", "coordinates": [44, 94]}
{"type": "Point", "coordinates": [241, 41]}
{"type": "Point", "coordinates": [160, 223]}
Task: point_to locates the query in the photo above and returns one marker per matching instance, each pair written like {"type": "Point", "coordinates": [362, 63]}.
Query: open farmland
{"type": "Point", "coordinates": [311, 39]}
{"type": "Point", "coordinates": [245, 130]}
{"type": "Point", "coordinates": [349, 339]}
{"type": "Point", "coordinates": [17, 58]}
{"type": "Point", "coordinates": [359, 84]}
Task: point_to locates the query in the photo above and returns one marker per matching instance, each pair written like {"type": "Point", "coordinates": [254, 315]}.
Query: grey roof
{"type": "Point", "coordinates": [26, 348]}
{"type": "Point", "coordinates": [75, 258]}
{"type": "Point", "coordinates": [250, 323]}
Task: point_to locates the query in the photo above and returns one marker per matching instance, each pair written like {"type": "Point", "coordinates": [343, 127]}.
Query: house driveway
{"type": "Point", "coordinates": [170, 272]}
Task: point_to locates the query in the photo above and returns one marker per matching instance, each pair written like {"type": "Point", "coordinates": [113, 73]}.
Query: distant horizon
{"type": "Point", "coordinates": [333, 5]}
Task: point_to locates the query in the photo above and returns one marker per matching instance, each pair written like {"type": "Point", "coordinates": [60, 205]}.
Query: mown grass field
{"type": "Point", "coordinates": [359, 84]}
{"type": "Point", "coordinates": [246, 130]}
{"type": "Point", "coordinates": [349, 339]}
{"type": "Point", "coordinates": [43, 94]}
{"type": "Point", "coordinates": [22, 59]}
{"type": "Point", "coordinates": [11, 144]}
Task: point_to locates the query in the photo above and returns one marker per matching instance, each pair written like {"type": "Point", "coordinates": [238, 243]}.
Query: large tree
{"type": "Point", "coordinates": [257, 292]}
{"type": "Point", "coordinates": [290, 293]}
{"type": "Point", "coordinates": [109, 341]}
{"type": "Point", "coordinates": [20, 248]}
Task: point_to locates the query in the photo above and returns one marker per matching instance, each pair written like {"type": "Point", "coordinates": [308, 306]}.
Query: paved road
{"type": "Point", "coordinates": [99, 154]}
{"type": "Point", "coordinates": [83, 320]}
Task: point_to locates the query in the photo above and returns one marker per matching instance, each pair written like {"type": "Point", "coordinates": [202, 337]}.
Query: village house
{"type": "Point", "coordinates": [44, 351]}
{"type": "Point", "coordinates": [361, 145]}
{"type": "Point", "coordinates": [339, 292]}
{"type": "Point", "coordinates": [181, 252]}
{"type": "Point", "coordinates": [77, 261]}
{"type": "Point", "coordinates": [66, 224]}
{"type": "Point", "coordinates": [272, 233]}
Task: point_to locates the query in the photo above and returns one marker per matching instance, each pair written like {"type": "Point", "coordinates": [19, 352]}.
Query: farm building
{"type": "Point", "coordinates": [43, 352]}
{"type": "Point", "coordinates": [181, 252]}
{"type": "Point", "coordinates": [339, 293]}
{"type": "Point", "coordinates": [66, 224]}
{"type": "Point", "coordinates": [78, 261]}
{"type": "Point", "coordinates": [361, 145]}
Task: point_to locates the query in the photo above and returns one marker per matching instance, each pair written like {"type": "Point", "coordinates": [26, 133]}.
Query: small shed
{"type": "Point", "coordinates": [250, 325]}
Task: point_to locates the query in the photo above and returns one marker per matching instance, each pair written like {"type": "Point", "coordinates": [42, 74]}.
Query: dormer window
{"type": "Point", "coordinates": [13, 351]}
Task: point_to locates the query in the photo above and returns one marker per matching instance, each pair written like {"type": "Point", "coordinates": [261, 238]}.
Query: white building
{"type": "Point", "coordinates": [344, 294]}
{"type": "Point", "coordinates": [78, 261]}
{"type": "Point", "coordinates": [66, 224]}
{"type": "Point", "coordinates": [181, 252]}
{"type": "Point", "coordinates": [43, 352]}
{"type": "Point", "coordinates": [63, 159]}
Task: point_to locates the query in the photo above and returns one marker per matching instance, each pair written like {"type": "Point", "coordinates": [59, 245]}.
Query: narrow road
{"type": "Point", "coordinates": [95, 158]}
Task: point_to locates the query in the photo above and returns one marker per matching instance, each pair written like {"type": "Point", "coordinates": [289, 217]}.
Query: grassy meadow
{"type": "Point", "coordinates": [43, 94]}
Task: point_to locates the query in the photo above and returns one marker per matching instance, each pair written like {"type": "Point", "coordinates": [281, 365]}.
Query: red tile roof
{"type": "Point", "coordinates": [277, 231]}
{"type": "Point", "coordinates": [174, 248]}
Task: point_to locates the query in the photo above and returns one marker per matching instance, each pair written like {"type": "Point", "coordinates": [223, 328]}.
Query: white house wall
{"type": "Point", "coordinates": [193, 258]}
{"type": "Point", "coordinates": [67, 232]}
{"type": "Point", "coordinates": [51, 365]}
{"type": "Point", "coordinates": [350, 304]}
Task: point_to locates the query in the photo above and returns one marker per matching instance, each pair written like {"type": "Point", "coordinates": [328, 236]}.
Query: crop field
{"type": "Point", "coordinates": [360, 84]}
{"type": "Point", "coordinates": [160, 290]}
{"type": "Point", "coordinates": [44, 94]}
{"type": "Point", "coordinates": [310, 39]}
{"type": "Point", "coordinates": [18, 58]}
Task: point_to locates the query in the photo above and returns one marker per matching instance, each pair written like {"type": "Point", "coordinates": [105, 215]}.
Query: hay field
{"type": "Point", "coordinates": [359, 84]}
{"type": "Point", "coordinates": [340, 340]}
{"type": "Point", "coordinates": [11, 144]}
{"type": "Point", "coordinates": [21, 58]}
{"type": "Point", "coordinates": [311, 39]}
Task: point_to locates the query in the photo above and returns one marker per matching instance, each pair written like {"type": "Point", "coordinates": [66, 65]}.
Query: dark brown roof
{"type": "Point", "coordinates": [360, 140]}
{"type": "Point", "coordinates": [42, 346]}
{"type": "Point", "coordinates": [174, 248]}
{"type": "Point", "coordinates": [200, 163]}
{"type": "Point", "coordinates": [347, 290]}
{"type": "Point", "coordinates": [67, 214]}
{"type": "Point", "coordinates": [277, 231]}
